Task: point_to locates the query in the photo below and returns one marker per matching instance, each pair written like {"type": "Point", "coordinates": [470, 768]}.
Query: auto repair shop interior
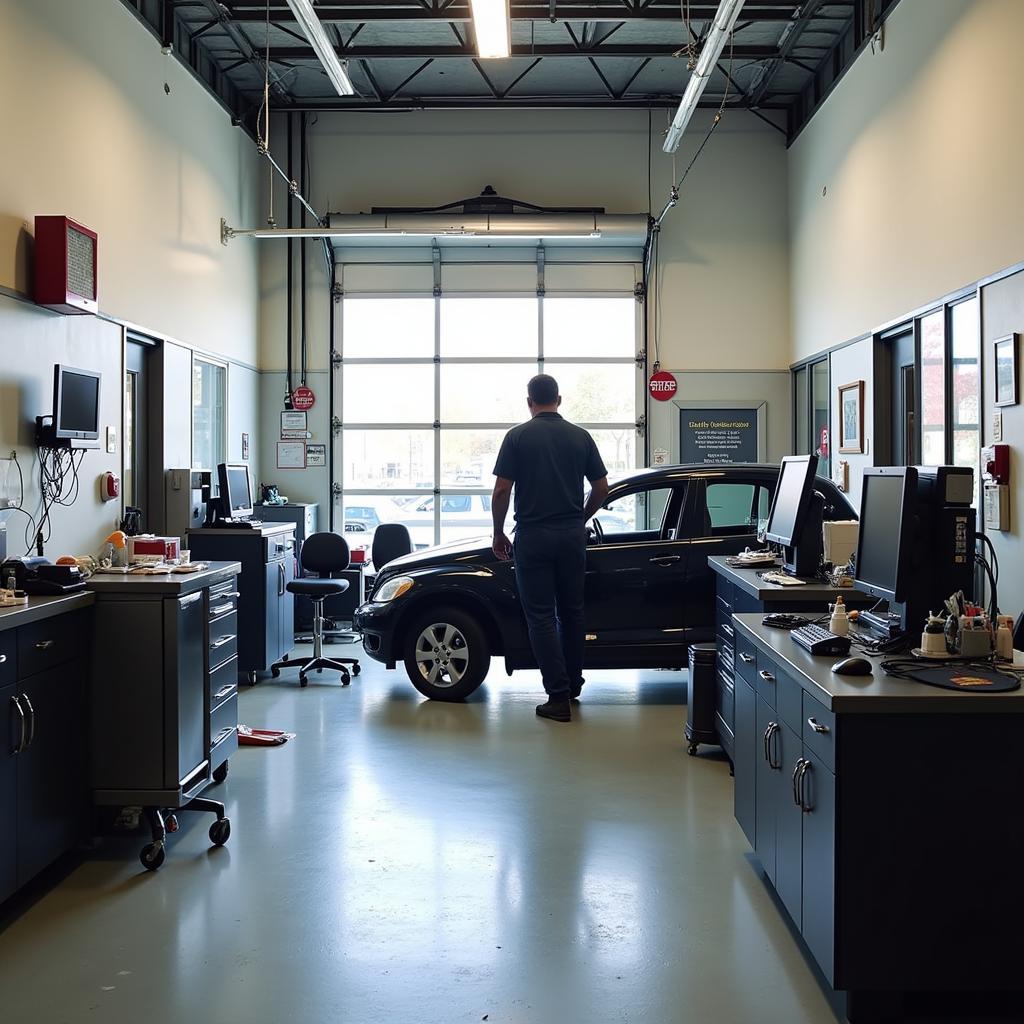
{"type": "Point", "coordinates": [274, 275]}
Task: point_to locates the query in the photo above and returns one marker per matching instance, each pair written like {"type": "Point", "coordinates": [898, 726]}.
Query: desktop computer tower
{"type": "Point", "coordinates": [186, 493]}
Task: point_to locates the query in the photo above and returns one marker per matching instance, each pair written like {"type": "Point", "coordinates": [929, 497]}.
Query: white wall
{"type": "Point", "coordinates": [88, 131]}
{"type": "Point", "coordinates": [919, 151]}
{"type": "Point", "coordinates": [724, 283]}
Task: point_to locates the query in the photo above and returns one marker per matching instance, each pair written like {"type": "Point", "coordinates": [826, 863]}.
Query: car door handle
{"type": "Point", "coordinates": [664, 559]}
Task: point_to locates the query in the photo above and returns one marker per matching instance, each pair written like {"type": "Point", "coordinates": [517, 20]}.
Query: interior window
{"type": "Point", "coordinates": [639, 512]}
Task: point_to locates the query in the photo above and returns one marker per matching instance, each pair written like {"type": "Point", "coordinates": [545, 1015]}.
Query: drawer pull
{"type": "Point", "coordinates": [729, 630]}
{"type": "Point", "coordinates": [222, 609]}
{"type": "Point", "coordinates": [766, 676]}
{"type": "Point", "coordinates": [3, 659]}
{"type": "Point", "coordinates": [217, 594]}
{"type": "Point", "coordinates": [31, 721]}
{"type": "Point", "coordinates": [222, 641]}
{"type": "Point", "coordinates": [797, 780]}
{"type": "Point", "coordinates": [44, 645]}
{"type": "Point", "coordinates": [747, 659]}
{"type": "Point", "coordinates": [224, 691]}
{"type": "Point", "coordinates": [817, 726]}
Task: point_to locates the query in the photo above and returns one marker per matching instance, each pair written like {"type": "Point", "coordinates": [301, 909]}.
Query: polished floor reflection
{"type": "Point", "coordinates": [413, 862]}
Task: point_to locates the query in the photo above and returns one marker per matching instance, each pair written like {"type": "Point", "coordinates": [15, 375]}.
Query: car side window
{"type": "Point", "coordinates": [456, 503]}
{"type": "Point", "coordinates": [638, 512]}
{"type": "Point", "coordinates": [734, 508]}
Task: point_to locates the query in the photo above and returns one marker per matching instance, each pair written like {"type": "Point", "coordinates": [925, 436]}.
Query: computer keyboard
{"type": "Point", "coordinates": [819, 640]}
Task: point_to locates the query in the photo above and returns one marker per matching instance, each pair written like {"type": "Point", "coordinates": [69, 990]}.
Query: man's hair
{"type": "Point", "coordinates": [543, 389]}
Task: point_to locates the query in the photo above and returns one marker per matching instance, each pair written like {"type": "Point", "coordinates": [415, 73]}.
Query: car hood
{"type": "Point", "coordinates": [475, 552]}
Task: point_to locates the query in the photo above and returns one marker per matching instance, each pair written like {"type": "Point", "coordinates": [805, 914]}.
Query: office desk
{"type": "Point", "coordinates": [886, 816]}
{"type": "Point", "coordinates": [741, 590]}
{"type": "Point", "coordinates": [44, 798]}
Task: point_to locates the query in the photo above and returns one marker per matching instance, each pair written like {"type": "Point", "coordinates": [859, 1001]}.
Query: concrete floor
{"type": "Point", "coordinates": [414, 862]}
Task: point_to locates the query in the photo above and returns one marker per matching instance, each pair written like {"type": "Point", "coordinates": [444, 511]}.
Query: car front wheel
{"type": "Point", "coordinates": [446, 654]}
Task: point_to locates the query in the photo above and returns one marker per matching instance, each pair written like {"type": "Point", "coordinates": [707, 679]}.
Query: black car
{"type": "Point", "coordinates": [445, 612]}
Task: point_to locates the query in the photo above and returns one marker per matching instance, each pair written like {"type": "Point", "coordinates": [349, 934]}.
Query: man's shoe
{"type": "Point", "coordinates": [577, 689]}
{"type": "Point", "coordinates": [556, 710]}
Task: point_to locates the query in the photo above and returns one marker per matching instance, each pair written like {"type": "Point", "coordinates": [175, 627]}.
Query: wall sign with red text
{"type": "Point", "coordinates": [662, 386]}
{"type": "Point", "coordinates": [303, 398]}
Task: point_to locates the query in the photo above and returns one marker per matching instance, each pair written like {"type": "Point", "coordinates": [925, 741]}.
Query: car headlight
{"type": "Point", "coordinates": [394, 587]}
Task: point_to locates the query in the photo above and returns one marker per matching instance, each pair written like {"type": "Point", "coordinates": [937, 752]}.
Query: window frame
{"type": "Point", "coordinates": [222, 432]}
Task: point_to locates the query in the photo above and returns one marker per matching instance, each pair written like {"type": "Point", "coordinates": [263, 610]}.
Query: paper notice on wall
{"type": "Point", "coordinates": [659, 457]}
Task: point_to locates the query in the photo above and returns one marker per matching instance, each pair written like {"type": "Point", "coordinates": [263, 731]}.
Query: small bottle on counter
{"type": "Point", "coordinates": [1004, 638]}
{"type": "Point", "coordinates": [839, 623]}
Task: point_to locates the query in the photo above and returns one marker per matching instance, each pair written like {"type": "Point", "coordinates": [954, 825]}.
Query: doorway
{"type": "Point", "coordinates": [902, 354]}
{"type": "Point", "coordinates": [135, 476]}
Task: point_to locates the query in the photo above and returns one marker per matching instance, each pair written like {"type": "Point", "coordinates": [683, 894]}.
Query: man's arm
{"type": "Point", "coordinates": [598, 492]}
{"type": "Point", "coordinates": [501, 545]}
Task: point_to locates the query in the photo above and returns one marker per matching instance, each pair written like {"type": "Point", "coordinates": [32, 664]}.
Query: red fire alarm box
{"type": "Point", "coordinates": [995, 464]}
{"type": "Point", "coordinates": [66, 271]}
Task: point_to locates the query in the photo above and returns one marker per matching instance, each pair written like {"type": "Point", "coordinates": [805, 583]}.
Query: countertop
{"type": "Point", "coordinates": [173, 584]}
{"type": "Point", "coordinates": [267, 529]}
{"type": "Point", "coordinates": [877, 693]}
{"type": "Point", "coordinates": [748, 581]}
{"type": "Point", "coordinates": [43, 608]}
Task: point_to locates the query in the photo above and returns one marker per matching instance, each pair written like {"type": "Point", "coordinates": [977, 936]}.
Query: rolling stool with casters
{"type": "Point", "coordinates": [322, 553]}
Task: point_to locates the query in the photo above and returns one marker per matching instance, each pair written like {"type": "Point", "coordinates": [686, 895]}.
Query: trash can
{"type": "Point", "coordinates": [700, 704]}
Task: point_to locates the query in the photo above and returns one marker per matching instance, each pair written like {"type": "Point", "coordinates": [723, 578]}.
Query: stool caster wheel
{"type": "Point", "coordinates": [303, 681]}
{"type": "Point", "coordinates": [319, 669]}
{"type": "Point", "coordinates": [253, 678]}
{"type": "Point", "coordinates": [152, 855]}
{"type": "Point", "coordinates": [220, 831]}
{"type": "Point", "coordinates": [275, 672]}
{"type": "Point", "coordinates": [345, 679]}
{"type": "Point", "coordinates": [692, 749]}
{"type": "Point", "coordinates": [171, 823]}
{"type": "Point", "coordinates": [220, 773]}
{"type": "Point", "coordinates": [355, 670]}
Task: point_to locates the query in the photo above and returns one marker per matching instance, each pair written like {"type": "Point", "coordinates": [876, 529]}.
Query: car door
{"type": "Point", "coordinates": [722, 517]}
{"type": "Point", "coordinates": [636, 574]}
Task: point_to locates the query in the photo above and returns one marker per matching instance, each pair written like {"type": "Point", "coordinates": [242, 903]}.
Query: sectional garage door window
{"type": "Point", "coordinates": [428, 385]}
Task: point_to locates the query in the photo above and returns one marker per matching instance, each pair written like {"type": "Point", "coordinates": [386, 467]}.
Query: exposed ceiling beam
{"type": "Point", "coordinates": [521, 102]}
{"type": "Point", "coordinates": [790, 38]}
{"type": "Point", "coordinates": [291, 54]}
{"type": "Point", "coordinates": [527, 10]}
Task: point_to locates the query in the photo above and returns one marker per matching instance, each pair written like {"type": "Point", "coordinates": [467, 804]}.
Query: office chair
{"type": "Point", "coordinates": [323, 554]}
{"type": "Point", "coordinates": [390, 541]}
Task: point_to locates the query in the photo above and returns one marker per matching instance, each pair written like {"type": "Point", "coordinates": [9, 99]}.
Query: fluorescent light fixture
{"type": "Point", "coordinates": [722, 26]}
{"type": "Point", "coordinates": [314, 32]}
{"type": "Point", "coordinates": [490, 23]}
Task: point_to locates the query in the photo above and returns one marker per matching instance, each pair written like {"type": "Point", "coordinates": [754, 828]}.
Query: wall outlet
{"type": "Point", "coordinates": [111, 440]}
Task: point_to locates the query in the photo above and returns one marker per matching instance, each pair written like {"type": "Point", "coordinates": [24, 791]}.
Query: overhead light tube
{"type": "Point", "coordinates": [722, 26]}
{"type": "Point", "coordinates": [314, 32]}
{"type": "Point", "coordinates": [491, 26]}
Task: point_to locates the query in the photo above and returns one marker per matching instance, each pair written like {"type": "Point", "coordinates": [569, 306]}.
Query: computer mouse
{"type": "Point", "coordinates": [852, 667]}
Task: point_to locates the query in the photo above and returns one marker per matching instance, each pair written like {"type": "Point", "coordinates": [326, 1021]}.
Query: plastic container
{"type": "Point", "coordinates": [839, 623]}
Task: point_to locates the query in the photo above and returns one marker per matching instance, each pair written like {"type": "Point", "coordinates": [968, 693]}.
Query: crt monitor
{"type": "Point", "coordinates": [235, 490]}
{"type": "Point", "coordinates": [76, 403]}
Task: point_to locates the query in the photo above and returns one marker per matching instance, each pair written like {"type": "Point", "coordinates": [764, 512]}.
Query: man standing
{"type": "Point", "coordinates": [546, 459]}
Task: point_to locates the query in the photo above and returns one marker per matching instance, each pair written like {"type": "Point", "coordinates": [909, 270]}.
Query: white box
{"type": "Point", "coordinates": [840, 540]}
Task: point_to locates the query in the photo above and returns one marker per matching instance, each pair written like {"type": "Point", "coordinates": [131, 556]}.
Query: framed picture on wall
{"type": "Point", "coordinates": [851, 418]}
{"type": "Point", "coordinates": [1006, 369]}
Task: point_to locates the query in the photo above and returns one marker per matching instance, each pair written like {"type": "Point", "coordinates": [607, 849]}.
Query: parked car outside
{"type": "Point", "coordinates": [445, 612]}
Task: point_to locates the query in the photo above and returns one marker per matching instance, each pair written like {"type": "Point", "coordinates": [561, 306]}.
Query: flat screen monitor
{"type": "Point", "coordinates": [235, 489]}
{"type": "Point", "coordinates": [792, 499]}
{"type": "Point", "coordinates": [76, 403]}
{"type": "Point", "coordinates": [888, 509]}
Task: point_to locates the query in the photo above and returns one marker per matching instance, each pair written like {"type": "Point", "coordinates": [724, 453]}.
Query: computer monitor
{"type": "Point", "coordinates": [794, 520]}
{"type": "Point", "coordinates": [888, 524]}
{"type": "Point", "coordinates": [76, 404]}
{"type": "Point", "coordinates": [235, 490]}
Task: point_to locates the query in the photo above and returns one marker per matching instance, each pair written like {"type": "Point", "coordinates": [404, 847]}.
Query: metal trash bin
{"type": "Point", "coordinates": [700, 704]}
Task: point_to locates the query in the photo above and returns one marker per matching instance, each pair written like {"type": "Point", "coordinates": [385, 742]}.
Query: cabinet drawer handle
{"type": "Point", "coordinates": [222, 609]}
{"type": "Point", "coordinates": [664, 560]}
{"type": "Point", "coordinates": [222, 641]}
{"type": "Point", "coordinates": [747, 659]}
{"type": "Point", "coordinates": [728, 628]}
{"type": "Point", "coordinates": [3, 659]}
{"type": "Point", "coordinates": [44, 645]}
{"type": "Point", "coordinates": [31, 721]}
{"type": "Point", "coordinates": [766, 676]}
{"type": "Point", "coordinates": [817, 726]}
{"type": "Point", "coordinates": [218, 594]}
{"type": "Point", "coordinates": [804, 805]}
{"type": "Point", "coordinates": [224, 691]}
{"type": "Point", "coordinates": [21, 715]}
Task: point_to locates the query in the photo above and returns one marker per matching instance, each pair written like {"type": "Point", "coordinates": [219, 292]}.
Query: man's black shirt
{"type": "Point", "coordinates": [547, 458]}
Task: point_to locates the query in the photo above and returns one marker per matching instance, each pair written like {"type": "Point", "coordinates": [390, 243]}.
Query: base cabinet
{"type": "Point", "coordinates": [10, 716]}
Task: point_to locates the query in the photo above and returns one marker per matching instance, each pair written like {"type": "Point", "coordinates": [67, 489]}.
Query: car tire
{"type": "Point", "coordinates": [458, 660]}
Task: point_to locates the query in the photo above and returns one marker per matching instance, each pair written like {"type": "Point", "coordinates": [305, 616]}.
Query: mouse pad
{"type": "Point", "coordinates": [976, 680]}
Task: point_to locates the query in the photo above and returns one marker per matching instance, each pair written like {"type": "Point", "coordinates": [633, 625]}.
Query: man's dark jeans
{"type": "Point", "coordinates": [550, 563]}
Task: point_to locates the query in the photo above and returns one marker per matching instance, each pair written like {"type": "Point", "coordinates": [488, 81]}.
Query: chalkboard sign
{"type": "Point", "coordinates": [718, 435]}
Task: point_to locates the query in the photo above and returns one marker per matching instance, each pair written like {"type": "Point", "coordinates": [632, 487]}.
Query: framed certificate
{"type": "Point", "coordinates": [291, 454]}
